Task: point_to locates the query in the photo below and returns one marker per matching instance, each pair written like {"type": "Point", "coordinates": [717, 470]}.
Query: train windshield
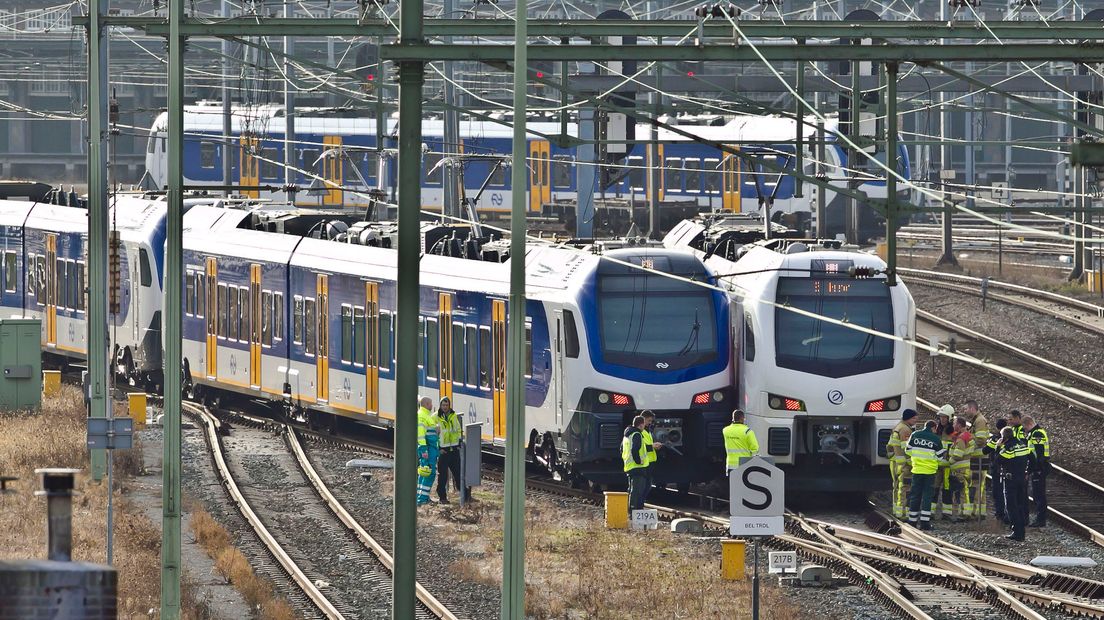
{"type": "Point", "coordinates": [650, 321]}
{"type": "Point", "coordinates": [823, 348]}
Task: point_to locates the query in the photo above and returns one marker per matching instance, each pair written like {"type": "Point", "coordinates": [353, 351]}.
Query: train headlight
{"type": "Point", "coordinates": [889, 403]}
{"type": "Point", "coordinates": [785, 403]}
{"type": "Point", "coordinates": [603, 398]}
{"type": "Point", "coordinates": [718, 397]}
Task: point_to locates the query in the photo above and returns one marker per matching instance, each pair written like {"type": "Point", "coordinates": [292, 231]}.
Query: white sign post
{"type": "Point", "coordinates": [756, 494]}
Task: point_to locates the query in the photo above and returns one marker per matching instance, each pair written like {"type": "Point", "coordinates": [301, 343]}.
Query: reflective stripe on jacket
{"type": "Point", "coordinates": [895, 447]}
{"type": "Point", "coordinates": [649, 448]}
{"type": "Point", "coordinates": [451, 431]}
{"type": "Point", "coordinates": [427, 425]}
{"type": "Point", "coordinates": [925, 450]}
{"type": "Point", "coordinates": [962, 451]}
{"type": "Point", "coordinates": [637, 458]}
{"type": "Point", "coordinates": [739, 442]}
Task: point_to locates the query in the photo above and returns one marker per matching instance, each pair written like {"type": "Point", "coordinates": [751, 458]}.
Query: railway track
{"type": "Point", "coordinates": [291, 516]}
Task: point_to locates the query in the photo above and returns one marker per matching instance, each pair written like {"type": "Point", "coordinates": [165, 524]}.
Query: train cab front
{"type": "Point", "coordinates": [655, 343]}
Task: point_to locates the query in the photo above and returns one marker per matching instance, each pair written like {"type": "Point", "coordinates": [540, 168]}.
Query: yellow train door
{"type": "Point", "coordinates": [248, 169]}
{"type": "Point", "coordinates": [323, 331]}
{"type": "Point", "coordinates": [51, 290]}
{"type": "Point", "coordinates": [332, 171]}
{"type": "Point", "coordinates": [371, 346]}
{"type": "Point", "coordinates": [540, 174]}
{"type": "Point", "coordinates": [255, 327]}
{"type": "Point", "coordinates": [731, 184]}
{"type": "Point", "coordinates": [444, 322]}
{"type": "Point", "coordinates": [212, 318]}
{"type": "Point", "coordinates": [498, 339]}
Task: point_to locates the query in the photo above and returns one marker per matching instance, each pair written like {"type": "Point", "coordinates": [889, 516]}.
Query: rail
{"type": "Point", "coordinates": [424, 596]}
{"type": "Point", "coordinates": [1026, 290]}
{"type": "Point", "coordinates": [311, 591]}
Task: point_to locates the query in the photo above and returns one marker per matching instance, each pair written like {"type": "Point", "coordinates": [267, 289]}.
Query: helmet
{"type": "Point", "coordinates": [947, 410]}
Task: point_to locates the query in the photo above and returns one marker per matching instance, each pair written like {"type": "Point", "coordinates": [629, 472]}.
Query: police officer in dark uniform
{"type": "Point", "coordinates": [994, 471]}
{"type": "Point", "coordinates": [1014, 455]}
{"type": "Point", "coordinates": [1039, 443]}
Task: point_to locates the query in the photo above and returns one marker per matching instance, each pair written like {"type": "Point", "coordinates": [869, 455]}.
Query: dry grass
{"type": "Point", "coordinates": [577, 568]}
{"type": "Point", "coordinates": [55, 437]}
{"type": "Point", "coordinates": [235, 568]}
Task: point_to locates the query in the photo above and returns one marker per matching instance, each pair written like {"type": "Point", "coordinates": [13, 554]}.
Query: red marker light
{"type": "Point", "coordinates": [689, 74]}
{"type": "Point", "coordinates": [792, 404]}
{"type": "Point", "coordinates": [701, 399]}
{"type": "Point", "coordinates": [371, 77]}
{"type": "Point", "coordinates": [540, 74]}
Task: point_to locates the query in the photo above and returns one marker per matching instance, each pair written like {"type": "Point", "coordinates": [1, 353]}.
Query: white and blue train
{"type": "Point", "coordinates": [693, 173]}
{"type": "Point", "coordinates": [822, 397]}
{"type": "Point", "coordinates": [312, 321]}
{"type": "Point", "coordinates": [44, 275]}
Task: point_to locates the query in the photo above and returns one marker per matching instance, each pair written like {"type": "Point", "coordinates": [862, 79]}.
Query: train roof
{"type": "Point", "coordinates": [208, 119]}
{"type": "Point", "coordinates": [218, 230]}
{"type": "Point", "coordinates": [136, 218]}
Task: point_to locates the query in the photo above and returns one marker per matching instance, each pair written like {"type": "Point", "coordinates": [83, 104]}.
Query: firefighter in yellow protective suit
{"type": "Point", "coordinates": [899, 467]}
{"type": "Point", "coordinates": [962, 455]}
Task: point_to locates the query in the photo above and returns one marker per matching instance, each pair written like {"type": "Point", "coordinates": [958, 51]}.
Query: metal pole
{"type": "Point", "coordinates": [411, 81]}
{"type": "Point", "coordinates": [948, 257]}
{"type": "Point", "coordinates": [290, 164]}
{"type": "Point", "coordinates": [97, 224]}
{"type": "Point", "coordinates": [174, 275]}
{"type": "Point", "coordinates": [227, 122]}
{"type": "Point", "coordinates": [655, 165]}
{"type": "Point", "coordinates": [821, 192]}
{"type": "Point", "coordinates": [513, 552]}
{"type": "Point", "coordinates": [799, 114]}
{"type": "Point", "coordinates": [855, 107]}
{"type": "Point", "coordinates": [755, 583]}
{"type": "Point", "coordinates": [450, 176]}
{"type": "Point", "coordinates": [890, 126]}
{"type": "Point", "coordinates": [585, 174]}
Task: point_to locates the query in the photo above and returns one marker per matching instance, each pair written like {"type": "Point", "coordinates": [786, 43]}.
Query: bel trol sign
{"type": "Point", "coordinates": [756, 490]}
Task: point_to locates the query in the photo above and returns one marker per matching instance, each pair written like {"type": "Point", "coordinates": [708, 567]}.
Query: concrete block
{"type": "Point", "coordinates": [686, 526]}
{"type": "Point", "coordinates": [1056, 560]}
{"type": "Point", "coordinates": [814, 575]}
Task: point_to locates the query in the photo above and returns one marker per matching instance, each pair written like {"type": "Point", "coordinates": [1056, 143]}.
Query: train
{"type": "Point", "coordinates": [822, 397]}
{"type": "Point", "coordinates": [297, 306]}
{"type": "Point", "coordinates": [44, 271]}
{"type": "Point", "coordinates": [357, 164]}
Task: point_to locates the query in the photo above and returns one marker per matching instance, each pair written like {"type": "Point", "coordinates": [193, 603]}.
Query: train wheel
{"type": "Point", "coordinates": [549, 454]}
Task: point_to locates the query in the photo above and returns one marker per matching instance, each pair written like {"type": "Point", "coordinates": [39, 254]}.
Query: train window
{"type": "Point", "coordinates": [693, 175]}
{"type": "Point", "coordinates": [561, 171]}
{"type": "Point", "coordinates": [277, 317]}
{"type": "Point", "coordinates": [80, 287]}
{"type": "Point", "coordinates": [385, 340]}
{"type": "Point", "coordinates": [749, 339]}
{"type": "Point", "coordinates": [431, 176]}
{"type": "Point", "coordinates": [528, 349]}
{"type": "Point", "coordinates": [234, 314]}
{"type": "Point", "coordinates": [421, 342]}
{"type": "Point", "coordinates": [60, 281]}
{"type": "Point", "coordinates": [672, 175]}
{"type": "Point", "coordinates": [270, 166]}
{"type": "Point", "coordinates": [485, 357]}
{"type": "Point", "coordinates": [245, 317]}
{"type": "Point", "coordinates": [498, 176]}
{"type": "Point", "coordinates": [207, 152]}
{"type": "Point", "coordinates": [266, 318]}
{"type": "Point", "coordinates": [346, 333]}
{"type": "Point", "coordinates": [151, 146]}
{"type": "Point", "coordinates": [223, 305]}
{"type": "Point", "coordinates": [309, 157]}
{"type": "Point", "coordinates": [571, 335]}
{"type": "Point", "coordinates": [74, 289]}
{"type": "Point", "coordinates": [11, 272]}
{"type": "Point", "coordinates": [201, 280]}
{"type": "Point", "coordinates": [189, 293]}
{"type": "Point", "coordinates": [360, 335]}
{"type": "Point", "coordinates": [51, 281]}
{"type": "Point", "coordinates": [473, 355]}
{"type": "Point", "coordinates": [310, 325]}
{"type": "Point", "coordinates": [40, 277]}
{"type": "Point", "coordinates": [144, 267]}
{"type": "Point", "coordinates": [371, 167]}
{"type": "Point", "coordinates": [458, 354]}
{"type": "Point", "coordinates": [433, 334]}
{"type": "Point", "coordinates": [637, 179]}
{"type": "Point", "coordinates": [711, 175]}
{"type": "Point", "coordinates": [297, 321]}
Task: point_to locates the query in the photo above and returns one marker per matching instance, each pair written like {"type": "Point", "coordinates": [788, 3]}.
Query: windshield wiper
{"type": "Point", "coordinates": [692, 341]}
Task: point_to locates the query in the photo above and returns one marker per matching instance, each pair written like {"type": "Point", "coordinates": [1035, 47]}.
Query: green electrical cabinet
{"type": "Point", "coordinates": [20, 364]}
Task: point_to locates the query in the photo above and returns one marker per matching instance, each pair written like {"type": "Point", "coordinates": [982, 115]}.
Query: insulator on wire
{"type": "Point", "coordinates": [718, 10]}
